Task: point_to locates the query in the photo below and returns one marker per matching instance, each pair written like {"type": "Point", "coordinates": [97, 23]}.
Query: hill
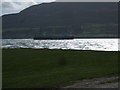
{"type": "Point", "coordinates": [83, 19]}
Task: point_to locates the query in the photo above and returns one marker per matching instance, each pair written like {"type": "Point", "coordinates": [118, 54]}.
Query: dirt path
{"type": "Point", "coordinates": [109, 82]}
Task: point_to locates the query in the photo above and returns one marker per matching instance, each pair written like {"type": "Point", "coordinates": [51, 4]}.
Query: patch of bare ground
{"type": "Point", "coordinates": [104, 82]}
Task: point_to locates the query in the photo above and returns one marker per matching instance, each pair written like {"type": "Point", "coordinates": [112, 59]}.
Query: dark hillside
{"type": "Point", "coordinates": [61, 16]}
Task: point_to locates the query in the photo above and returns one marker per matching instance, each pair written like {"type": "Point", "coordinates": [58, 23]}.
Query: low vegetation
{"type": "Point", "coordinates": [35, 68]}
{"type": "Point", "coordinates": [84, 30]}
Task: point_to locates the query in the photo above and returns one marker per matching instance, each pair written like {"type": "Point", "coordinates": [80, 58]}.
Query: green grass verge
{"type": "Point", "coordinates": [29, 68]}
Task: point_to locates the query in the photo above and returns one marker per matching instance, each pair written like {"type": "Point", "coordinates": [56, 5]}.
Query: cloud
{"type": "Point", "coordinates": [15, 6]}
{"type": "Point", "coordinates": [49, 0]}
{"type": "Point", "coordinates": [20, 0]}
{"type": "Point", "coordinates": [87, 0]}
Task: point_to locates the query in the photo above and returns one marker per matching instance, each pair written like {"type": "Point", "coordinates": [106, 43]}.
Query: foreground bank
{"type": "Point", "coordinates": [27, 68]}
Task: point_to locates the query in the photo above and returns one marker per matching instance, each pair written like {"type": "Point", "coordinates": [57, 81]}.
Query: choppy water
{"type": "Point", "coordinates": [76, 44]}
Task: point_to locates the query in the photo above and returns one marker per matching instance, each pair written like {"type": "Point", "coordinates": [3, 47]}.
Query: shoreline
{"type": "Point", "coordinates": [58, 49]}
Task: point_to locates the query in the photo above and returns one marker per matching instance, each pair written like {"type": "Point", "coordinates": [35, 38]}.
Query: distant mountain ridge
{"type": "Point", "coordinates": [61, 14]}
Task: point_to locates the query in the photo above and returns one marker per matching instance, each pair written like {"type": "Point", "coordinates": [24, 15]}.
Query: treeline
{"type": "Point", "coordinates": [85, 30]}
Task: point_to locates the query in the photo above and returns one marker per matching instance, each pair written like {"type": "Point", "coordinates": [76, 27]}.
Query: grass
{"type": "Point", "coordinates": [30, 68]}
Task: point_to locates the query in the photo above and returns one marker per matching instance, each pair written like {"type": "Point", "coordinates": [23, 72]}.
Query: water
{"type": "Point", "coordinates": [75, 44]}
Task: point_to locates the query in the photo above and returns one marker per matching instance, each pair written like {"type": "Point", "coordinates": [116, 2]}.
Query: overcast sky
{"type": "Point", "coordinates": [15, 6]}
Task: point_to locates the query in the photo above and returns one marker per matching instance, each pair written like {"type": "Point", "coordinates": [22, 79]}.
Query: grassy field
{"type": "Point", "coordinates": [29, 68]}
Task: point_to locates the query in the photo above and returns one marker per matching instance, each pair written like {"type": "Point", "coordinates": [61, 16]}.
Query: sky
{"type": "Point", "coordinates": [15, 6]}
